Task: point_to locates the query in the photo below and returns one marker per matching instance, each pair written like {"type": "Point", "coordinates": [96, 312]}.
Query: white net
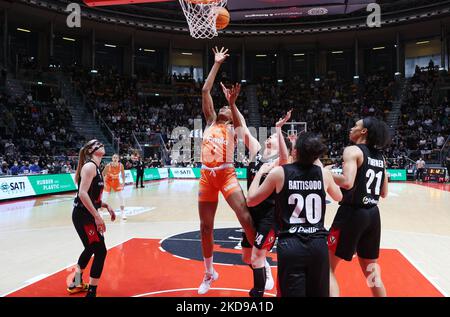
{"type": "Point", "coordinates": [201, 16]}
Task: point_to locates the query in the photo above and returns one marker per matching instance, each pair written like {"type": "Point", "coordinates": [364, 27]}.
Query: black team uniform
{"type": "Point", "coordinates": [357, 225]}
{"type": "Point", "coordinates": [263, 218]}
{"type": "Point", "coordinates": [84, 222]}
{"type": "Point", "coordinates": [303, 264]}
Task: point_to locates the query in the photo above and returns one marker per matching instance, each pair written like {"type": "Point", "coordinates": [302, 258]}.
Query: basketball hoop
{"type": "Point", "coordinates": [201, 16]}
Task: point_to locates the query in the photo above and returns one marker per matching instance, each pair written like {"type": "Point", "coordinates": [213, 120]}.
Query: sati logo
{"type": "Point", "coordinates": [13, 187]}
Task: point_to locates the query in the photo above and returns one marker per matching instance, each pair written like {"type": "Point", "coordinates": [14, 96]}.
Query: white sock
{"type": "Point", "coordinates": [209, 265]}
{"type": "Point", "coordinates": [121, 199]}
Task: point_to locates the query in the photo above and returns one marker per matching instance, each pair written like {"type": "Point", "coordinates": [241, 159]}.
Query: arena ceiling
{"type": "Point", "coordinates": [262, 11]}
{"type": "Point", "coordinates": [113, 25]}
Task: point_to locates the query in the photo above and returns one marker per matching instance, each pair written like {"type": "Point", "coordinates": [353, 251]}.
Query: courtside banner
{"type": "Point", "coordinates": [149, 174]}
{"type": "Point", "coordinates": [397, 175]}
{"type": "Point", "coordinates": [15, 187]}
{"type": "Point", "coordinates": [163, 173]}
{"type": "Point", "coordinates": [180, 172]}
{"type": "Point", "coordinates": [241, 173]}
{"type": "Point", "coordinates": [187, 172]}
{"type": "Point", "coordinates": [129, 177]}
{"type": "Point", "coordinates": [52, 183]}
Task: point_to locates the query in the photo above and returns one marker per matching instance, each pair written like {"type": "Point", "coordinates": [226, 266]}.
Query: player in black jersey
{"type": "Point", "coordinates": [357, 226]}
{"type": "Point", "coordinates": [86, 218]}
{"type": "Point", "coordinates": [276, 151]}
{"type": "Point", "coordinates": [301, 187]}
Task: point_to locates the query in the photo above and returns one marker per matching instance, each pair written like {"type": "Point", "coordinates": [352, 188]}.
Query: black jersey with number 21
{"type": "Point", "coordinates": [368, 182]}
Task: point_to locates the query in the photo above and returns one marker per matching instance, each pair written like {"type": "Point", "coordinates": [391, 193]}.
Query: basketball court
{"type": "Point", "coordinates": [156, 251]}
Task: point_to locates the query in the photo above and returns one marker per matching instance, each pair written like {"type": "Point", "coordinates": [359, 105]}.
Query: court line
{"type": "Point", "coordinates": [180, 257]}
{"type": "Point", "coordinates": [182, 232]}
{"type": "Point", "coordinates": [196, 289]}
{"type": "Point", "coordinates": [40, 277]}
{"type": "Point", "coordinates": [418, 268]}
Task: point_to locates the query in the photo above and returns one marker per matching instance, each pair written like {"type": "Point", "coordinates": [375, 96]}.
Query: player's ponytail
{"type": "Point", "coordinates": [82, 157]}
{"type": "Point", "coordinates": [378, 135]}
{"type": "Point", "coordinates": [309, 148]}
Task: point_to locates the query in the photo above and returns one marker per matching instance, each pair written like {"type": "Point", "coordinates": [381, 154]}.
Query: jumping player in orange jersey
{"type": "Point", "coordinates": [218, 173]}
{"type": "Point", "coordinates": [111, 175]}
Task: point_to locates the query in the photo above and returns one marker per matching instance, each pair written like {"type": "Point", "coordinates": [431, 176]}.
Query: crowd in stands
{"type": "Point", "coordinates": [131, 108]}
{"type": "Point", "coordinates": [127, 111]}
{"type": "Point", "coordinates": [38, 165]}
{"type": "Point", "coordinates": [329, 107]}
{"type": "Point", "coordinates": [424, 125]}
{"type": "Point", "coordinates": [36, 127]}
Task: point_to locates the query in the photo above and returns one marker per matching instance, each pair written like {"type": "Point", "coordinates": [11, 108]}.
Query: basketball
{"type": "Point", "coordinates": [223, 18]}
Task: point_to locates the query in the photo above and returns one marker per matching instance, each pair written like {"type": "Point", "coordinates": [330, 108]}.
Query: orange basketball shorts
{"type": "Point", "coordinates": [113, 184]}
{"type": "Point", "coordinates": [214, 181]}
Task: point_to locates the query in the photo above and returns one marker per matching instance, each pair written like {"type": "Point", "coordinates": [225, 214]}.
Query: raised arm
{"type": "Point", "coordinates": [282, 148]}
{"type": "Point", "coordinates": [207, 101]}
{"type": "Point", "coordinates": [239, 123]}
{"type": "Point", "coordinates": [231, 95]}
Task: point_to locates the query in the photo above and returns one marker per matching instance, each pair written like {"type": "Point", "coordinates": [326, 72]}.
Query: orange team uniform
{"type": "Point", "coordinates": [217, 173]}
{"type": "Point", "coordinates": [112, 180]}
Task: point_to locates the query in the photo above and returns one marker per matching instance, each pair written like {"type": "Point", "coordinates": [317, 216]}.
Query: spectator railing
{"type": "Point", "coordinates": [392, 161]}
{"type": "Point", "coordinates": [109, 134]}
{"type": "Point", "coordinates": [136, 142]}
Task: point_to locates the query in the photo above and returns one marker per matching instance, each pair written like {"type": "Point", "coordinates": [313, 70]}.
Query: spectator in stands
{"type": "Point", "coordinates": [440, 141]}
{"type": "Point", "coordinates": [35, 169]}
{"type": "Point", "coordinates": [25, 169]}
{"type": "Point", "coordinates": [155, 161]}
{"type": "Point", "coordinates": [4, 169]}
{"type": "Point", "coordinates": [15, 169]}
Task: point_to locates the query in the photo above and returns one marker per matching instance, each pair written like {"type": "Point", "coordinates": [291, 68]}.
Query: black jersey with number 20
{"type": "Point", "coordinates": [368, 181]}
{"type": "Point", "coordinates": [300, 206]}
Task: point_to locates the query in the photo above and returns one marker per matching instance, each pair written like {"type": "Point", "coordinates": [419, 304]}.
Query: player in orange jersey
{"type": "Point", "coordinates": [218, 173]}
{"type": "Point", "coordinates": [111, 175]}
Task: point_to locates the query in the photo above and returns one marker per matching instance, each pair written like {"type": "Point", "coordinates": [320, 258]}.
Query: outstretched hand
{"type": "Point", "coordinates": [231, 94]}
{"type": "Point", "coordinates": [226, 92]}
{"type": "Point", "coordinates": [283, 120]}
{"type": "Point", "coordinates": [220, 56]}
